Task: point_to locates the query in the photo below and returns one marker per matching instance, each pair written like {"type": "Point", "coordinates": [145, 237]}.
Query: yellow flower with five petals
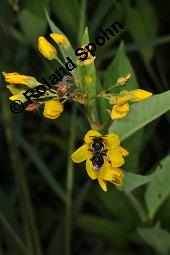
{"type": "Point", "coordinates": [109, 159]}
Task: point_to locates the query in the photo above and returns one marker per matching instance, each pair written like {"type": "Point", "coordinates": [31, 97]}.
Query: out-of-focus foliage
{"type": "Point", "coordinates": [35, 152]}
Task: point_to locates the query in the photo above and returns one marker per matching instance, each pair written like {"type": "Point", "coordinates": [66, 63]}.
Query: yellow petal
{"type": "Point", "coordinates": [116, 158]}
{"type": "Point", "coordinates": [88, 61]}
{"type": "Point", "coordinates": [17, 78]}
{"type": "Point", "coordinates": [122, 151]}
{"type": "Point", "coordinates": [111, 174]}
{"type": "Point", "coordinates": [103, 184]}
{"type": "Point", "coordinates": [118, 177]}
{"type": "Point", "coordinates": [52, 109]}
{"type": "Point", "coordinates": [117, 115]}
{"type": "Point", "coordinates": [90, 136]}
{"type": "Point", "coordinates": [46, 49]}
{"type": "Point", "coordinates": [93, 174]}
{"type": "Point", "coordinates": [106, 172]}
{"type": "Point", "coordinates": [14, 89]}
{"type": "Point", "coordinates": [80, 154]}
{"type": "Point", "coordinates": [140, 94]}
{"type": "Point", "coordinates": [119, 111]}
{"type": "Point", "coordinates": [112, 141]}
{"type": "Point", "coordinates": [122, 108]}
{"type": "Point", "coordinates": [61, 39]}
{"type": "Point", "coordinates": [19, 97]}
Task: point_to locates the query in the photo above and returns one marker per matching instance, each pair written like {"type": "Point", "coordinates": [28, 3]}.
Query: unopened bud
{"type": "Point", "coordinates": [121, 81]}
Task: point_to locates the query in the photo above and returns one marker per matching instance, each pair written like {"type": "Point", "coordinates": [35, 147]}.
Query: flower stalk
{"type": "Point", "coordinates": [69, 184]}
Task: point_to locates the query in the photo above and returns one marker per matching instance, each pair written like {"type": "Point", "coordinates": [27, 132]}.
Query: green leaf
{"type": "Point", "coordinates": [32, 25]}
{"type": "Point", "coordinates": [157, 238]}
{"type": "Point", "coordinates": [141, 114]}
{"type": "Point", "coordinates": [120, 66]}
{"type": "Point", "coordinates": [142, 24]}
{"type": "Point", "coordinates": [36, 7]}
{"type": "Point", "coordinates": [104, 227]}
{"type": "Point", "coordinates": [67, 12]}
{"type": "Point", "coordinates": [116, 203]}
{"type": "Point", "coordinates": [133, 181]}
{"type": "Point", "coordinates": [99, 13]}
{"type": "Point", "coordinates": [134, 145]}
{"type": "Point", "coordinates": [159, 187]}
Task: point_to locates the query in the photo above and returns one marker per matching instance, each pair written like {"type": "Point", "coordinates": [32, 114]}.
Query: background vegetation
{"type": "Point", "coordinates": [47, 204]}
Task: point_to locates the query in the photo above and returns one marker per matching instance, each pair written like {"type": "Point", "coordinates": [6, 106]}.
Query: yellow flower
{"type": "Point", "coordinates": [88, 79]}
{"type": "Point", "coordinates": [46, 49]}
{"type": "Point", "coordinates": [17, 93]}
{"type": "Point", "coordinates": [61, 39]}
{"type": "Point", "coordinates": [103, 155]}
{"type": "Point", "coordinates": [120, 102]}
{"type": "Point", "coordinates": [17, 78]}
{"type": "Point", "coordinates": [52, 109]}
{"type": "Point", "coordinates": [90, 59]}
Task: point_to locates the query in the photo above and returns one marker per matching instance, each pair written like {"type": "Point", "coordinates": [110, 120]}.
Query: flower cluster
{"type": "Point", "coordinates": [19, 84]}
{"type": "Point", "coordinates": [103, 154]}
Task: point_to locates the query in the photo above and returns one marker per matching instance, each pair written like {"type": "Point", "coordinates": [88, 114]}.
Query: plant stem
{"type": "Point", "coordinates": [61, 63]}
{"type": "Point", "coordinates": [69, 184]}
{"type": "Point", "coordinates": [16, 165]}
{"type": "Point", "coordinates": [13, 234]}
{"type": "Point", "coordinates": [138, 207]}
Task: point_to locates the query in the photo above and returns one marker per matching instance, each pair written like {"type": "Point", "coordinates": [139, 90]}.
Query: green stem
{"type": "Point", "coordinates": [137, 206]}
{"type": "Point", "coordinates": [69, 184]}
{"type": "Point", "coordinates": [61, 63]}
{"type": "Point", "coordinates": [16, 165]}
{"type": "Point", "coordinates": [13, 234]}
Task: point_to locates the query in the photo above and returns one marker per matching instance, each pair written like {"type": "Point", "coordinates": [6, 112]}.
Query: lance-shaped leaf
{"type": "Point", "coordinates": [158, 189]}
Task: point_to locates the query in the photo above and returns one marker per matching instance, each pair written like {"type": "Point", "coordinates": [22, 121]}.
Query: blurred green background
{"type": "Point", "coordinates": [47, 204]}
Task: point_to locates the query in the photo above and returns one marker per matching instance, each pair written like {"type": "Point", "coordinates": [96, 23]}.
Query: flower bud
{"type": "Point", "coordinates": [122, 80]}
{"type": "Point", "coordinates": [61, 39]}
{"type": "Point", "coordinates": [140, 94]}
{"type": "Point", "coordinates": [52, 109]}
{"type": "Point", "coordinates": [46, 49]}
